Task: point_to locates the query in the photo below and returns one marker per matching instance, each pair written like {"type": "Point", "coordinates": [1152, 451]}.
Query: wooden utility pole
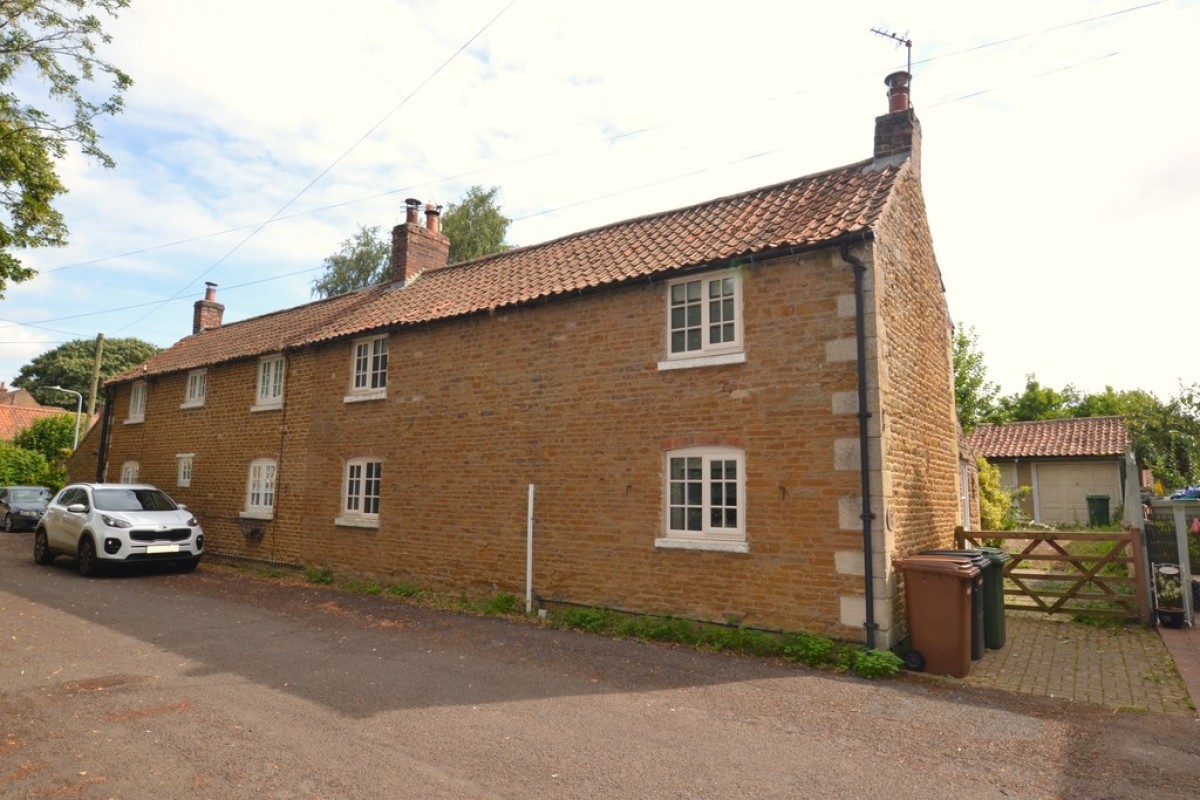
{"type": "Point", "coordinates": [95, 377]}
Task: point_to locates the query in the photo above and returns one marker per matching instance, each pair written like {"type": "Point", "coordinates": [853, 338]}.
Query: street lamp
{"type": "Point", "coordinates": [78, 411]}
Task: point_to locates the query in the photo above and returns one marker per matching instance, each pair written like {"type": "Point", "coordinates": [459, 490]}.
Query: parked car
{"type": "Point", "coordinates": [107, 523]}
{"type": "Point", "coordinates": [22, 506]}
{"type": "Point", "coordinates": [1190, 493]}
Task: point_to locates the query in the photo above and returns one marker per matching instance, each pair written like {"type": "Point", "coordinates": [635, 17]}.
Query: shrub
{"type": "Point", "coordinates": [807, 648]}
{"type": "Point", "coordinates": [322, 575]}
{"type": "Point", "coordinates": [877, 663]}
{"type": "Point", "coordinates": [500, 603]}
{"type": "Point", "coordinates": [586, 619]}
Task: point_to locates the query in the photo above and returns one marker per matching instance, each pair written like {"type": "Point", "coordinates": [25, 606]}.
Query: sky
{"type": "Point", "coordinates": [1060, 155]}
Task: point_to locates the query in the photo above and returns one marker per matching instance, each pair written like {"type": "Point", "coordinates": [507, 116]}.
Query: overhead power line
{"type": "Point", "coordinates": [327, 169]}
{"type": "Point", "coordinates": [279, 216]}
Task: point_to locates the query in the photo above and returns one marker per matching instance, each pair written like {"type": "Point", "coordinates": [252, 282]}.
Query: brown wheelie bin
{"type": "Point", "coordinates": [938, 593]}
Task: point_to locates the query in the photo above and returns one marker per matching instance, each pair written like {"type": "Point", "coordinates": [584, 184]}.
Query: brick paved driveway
{"type": "Point", "coordinates": [1127, 667]}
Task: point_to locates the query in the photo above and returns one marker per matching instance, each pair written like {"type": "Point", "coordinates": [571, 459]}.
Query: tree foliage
{"type": "Point", "coordinates": [363, 260]}
{"type": "Point", "coordinates": [475, 226]}
{"type": "Point", "coordinates": [70, 366]}
{"type": "Point", "coordinates": [974, 394]}
{"type": "Point", "coordinates": [51, 44]}
{"type": "Point", "coordinates": [1036, 402]}
{"type": "Point", "coordinates": [1166, 434]}
{"type": "Point", "coordinates": [19, 466]}
{"type": "Point", "coordinates": [52, 436]}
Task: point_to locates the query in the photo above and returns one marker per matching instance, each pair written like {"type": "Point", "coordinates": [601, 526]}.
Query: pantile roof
{"type": "Point", "coordinates": [14, 419]}
{"type": "Point", "coordinates": [1052, 438]}
{"type": "Point", "coordinates": [804, 212]}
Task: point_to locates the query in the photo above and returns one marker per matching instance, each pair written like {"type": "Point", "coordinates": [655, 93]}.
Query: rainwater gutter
{"type": "Point", "coordinates": [864, 453]}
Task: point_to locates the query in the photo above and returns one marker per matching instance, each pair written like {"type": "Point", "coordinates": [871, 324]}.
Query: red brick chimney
{"type": "Point", "coordinates": [898, 132]}
{"type": "Point", "coordinates": [208, 312]}
{"type": "Point", "coordinates": [416, 248]}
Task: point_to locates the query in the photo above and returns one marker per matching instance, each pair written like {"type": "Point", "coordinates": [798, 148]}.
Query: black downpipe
{"type": "Point", "coordinates": [105, 425]}
{"type": "Point", "coordinates": [864, 454]}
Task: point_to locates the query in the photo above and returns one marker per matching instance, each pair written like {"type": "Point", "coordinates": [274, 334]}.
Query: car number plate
{"type": "Point", "coordinates": [162, 548]}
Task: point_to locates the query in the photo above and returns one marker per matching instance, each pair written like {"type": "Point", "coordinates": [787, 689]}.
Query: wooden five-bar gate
{"type": "Point", "coordinates": [1059, 572]}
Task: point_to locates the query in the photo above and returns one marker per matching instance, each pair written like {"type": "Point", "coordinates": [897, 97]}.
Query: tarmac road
{"type": "Point", "coordinates": [155, 685]}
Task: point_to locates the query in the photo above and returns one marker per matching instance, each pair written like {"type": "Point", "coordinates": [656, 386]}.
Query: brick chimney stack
{"type": "Point", "coordinates": [208, 312]}
{"type": "Point", "coordinates": [416, 248]}
{"type": "Point", "coordinates": [898, 132]}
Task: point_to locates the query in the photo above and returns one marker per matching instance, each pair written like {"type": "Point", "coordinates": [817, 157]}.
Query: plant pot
{"type": "Point", "coordinates": [1170, 618]}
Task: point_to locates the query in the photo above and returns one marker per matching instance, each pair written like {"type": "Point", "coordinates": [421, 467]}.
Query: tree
{"type": "Point", "coordinates": [974, 394]}
{"type": "Point", "coordinates": [475, 226]}
{"type": "Point", "coordinates": [56, 42]}
{"type": "Point", "coordinates": [70, 366]}
{"type": "Point", "coordinates": [1037, 402]}
{"type": "Point", "coordinates": [50, 436]}
{"type": "Point", "coordinates": [1166, 436]}
{"type": "Point", "coordinates": [364, 260]}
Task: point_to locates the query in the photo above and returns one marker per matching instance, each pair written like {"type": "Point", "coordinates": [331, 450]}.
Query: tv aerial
{"type": "Point", "coordinates": [899, 40]}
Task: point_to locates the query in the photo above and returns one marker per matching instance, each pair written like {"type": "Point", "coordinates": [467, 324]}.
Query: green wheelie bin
{"type": "Point", "coordinates": [993, 597]}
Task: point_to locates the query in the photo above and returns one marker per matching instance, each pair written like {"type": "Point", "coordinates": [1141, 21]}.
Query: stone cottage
{"type": "Point", "coordinates": [738, 410]}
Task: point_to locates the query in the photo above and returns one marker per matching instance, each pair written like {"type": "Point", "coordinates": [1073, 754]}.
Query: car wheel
{"type": "Point", "coordinates": [89, 565]}
{"type": "Point", "coordinates": [42, 554]}
{"type": "Point", "coordinates": [8, 526]}
{"type": "Point", "coordinates": [188, 565]}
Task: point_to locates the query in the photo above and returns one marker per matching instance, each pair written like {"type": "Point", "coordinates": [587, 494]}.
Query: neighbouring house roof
{"type": "Point", "coordinates": [1053, 438]}
{"type": "Point", "coordinates": [17, 397]}
{"type": "Point", "coordinates": [808, 211]}
{"type": "Point", "coordinates": [14, 419]}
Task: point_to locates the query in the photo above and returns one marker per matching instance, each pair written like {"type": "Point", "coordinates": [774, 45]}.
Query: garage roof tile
{"type": "Point", "coordinates": [1052, 438]}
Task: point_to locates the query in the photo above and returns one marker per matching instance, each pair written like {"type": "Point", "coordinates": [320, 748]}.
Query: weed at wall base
{"type": "Point", "coordinates": [806, 648]}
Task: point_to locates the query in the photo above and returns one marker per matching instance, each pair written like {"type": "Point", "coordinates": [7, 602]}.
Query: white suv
{"type": "Point", "coordinates": [117, 522]}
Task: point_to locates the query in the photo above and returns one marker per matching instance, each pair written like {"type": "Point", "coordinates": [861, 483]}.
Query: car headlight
{"type": "Point", "coordinates": [193, 523]}
{"type": "Point", "coordinates": [114, 523]}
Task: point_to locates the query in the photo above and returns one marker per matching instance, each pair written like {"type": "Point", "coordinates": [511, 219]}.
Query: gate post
{"type": "Point", "coordinates": [1141, 567]}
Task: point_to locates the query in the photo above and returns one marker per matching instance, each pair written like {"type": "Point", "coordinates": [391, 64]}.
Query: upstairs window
{"type": "Point", "coordinates": [270, 382]}
{"type": "Point", "coordinates": [368, 369]}
{"type": "Point", "coordinates": [361, 490]}
{"type": "Point", "coordinates": [705, 499]}
{"type": "Point", "coordinates": [260, 489]}
{"type": "Point", "coordinates": [704, 315]}
{"type": "Point", "coordinates": [129, 472]}
{"type": "Point", "coordinates": [137, 402]}
{"type": "Point", "coordinates": [704, 318]}
{"type": "Point", "coordinates": [197, 388]}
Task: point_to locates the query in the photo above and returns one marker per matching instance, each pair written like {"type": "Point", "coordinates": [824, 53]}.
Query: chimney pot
{"type": "Point", "coordinates": [898, 88]}
{"type": "Point", "coordinates": [432, 215]}
{"type": "Point", "coordinates": [413, 205]}
{"type": "Point", "coordinates": [207, 313]}
{"type": "Point", "coordinates": [416, 248]}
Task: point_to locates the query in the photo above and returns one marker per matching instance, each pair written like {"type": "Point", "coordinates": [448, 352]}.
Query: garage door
{"type": "Point", "coordinates": [1062, 490]}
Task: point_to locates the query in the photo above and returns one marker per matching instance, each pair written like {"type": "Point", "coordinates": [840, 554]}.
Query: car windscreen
{"type": "Point", "coordinates": [132, 500]}
{"type": "Point", "coordinates": [28, 496]}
